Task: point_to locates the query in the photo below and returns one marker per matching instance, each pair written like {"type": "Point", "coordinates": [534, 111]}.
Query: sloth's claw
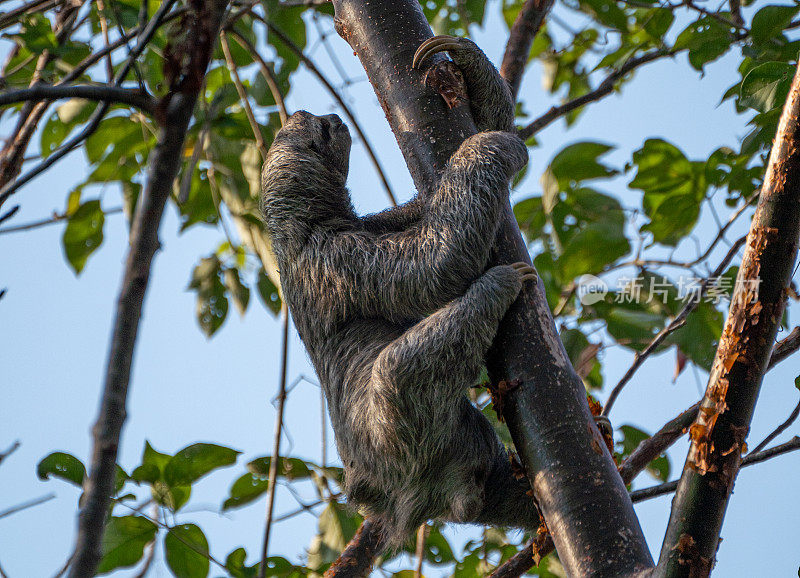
{"type": "Point", "coordinates": [434, 45]}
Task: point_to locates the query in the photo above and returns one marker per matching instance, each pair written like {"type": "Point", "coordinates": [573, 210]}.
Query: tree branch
{"type": "Point", "coordinates": [603, 89]}
{"type": "Point", "coordinates": [752, 459]}
{"type": "Point", "coordinates": [356, 560]}
{"type": "Point", "coordinates": [163, 167]}
{"type": "Point", "coordinates": [654, 446]}
{"type": "Point", "coordinates": [785, 347]}
{"type": "Point", "coordinates": [778, 430]}
{"type": "Point", "coordinates": [719, 433]}
{"type": "Point", "coordinates": [526, 25]}
{"type": "Point", "coordinates": [276, 447]}
{"type": "Point", "coordinates": [102, 93]}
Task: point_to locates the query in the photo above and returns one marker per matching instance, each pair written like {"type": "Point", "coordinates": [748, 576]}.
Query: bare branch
{"type": "Point", "coordinates": [785, 347]}
{"type": "Point", "coordinates": [99, 92]}
{"type": "Point", "coordinates": [26, 505]}
{"type": "Point", "coordinates": [276, 447]}
{"type": "Point", "coordinates": [754, 458]}
{"type": "Point", "coordinates": [56, 218]}
{"type": "Point", "coordinates": [419, 553]}
{"type": "Point", "coordinates": [10, 18]}
{"type": "Point", "coordinates": [527, 24]}
{"type": "Point", "coordinates": [603, 89]}
{"type": "Point", "coordinates": [778, 430]}
{"type": "Point", "coordinates": [654, 446]}
{"type": "Point", "coordinates": [356, 560]}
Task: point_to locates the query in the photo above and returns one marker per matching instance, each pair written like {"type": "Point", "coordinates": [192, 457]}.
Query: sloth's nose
{"type": "Point", "coordinates": [333, 119]}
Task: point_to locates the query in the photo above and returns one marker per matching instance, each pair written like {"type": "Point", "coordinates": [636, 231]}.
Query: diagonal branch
{"type": "Point", "coordinates": [603, 89]}
{"type": "Point", "coordinates": [102, 93]}
{"type": "Point", "coordinates": [164, 163]}
{"type": "Point", "coordinates": [752, 459]}
{"type": "Point", "coordinates": [526, 25]}
{"type": "Point", "coordinates": [718, 435]}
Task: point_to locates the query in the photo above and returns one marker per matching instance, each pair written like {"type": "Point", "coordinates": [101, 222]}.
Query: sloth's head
{"type": "Point", "coordinates": [304, 174]}
{"type": "Point", "coordinates": [318, 143]}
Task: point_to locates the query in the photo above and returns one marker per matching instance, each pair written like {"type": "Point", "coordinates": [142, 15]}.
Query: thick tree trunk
{"type": "Point", "coordinates": [573, 476]}
{"type": "Point", "coordinates": [719, 433]}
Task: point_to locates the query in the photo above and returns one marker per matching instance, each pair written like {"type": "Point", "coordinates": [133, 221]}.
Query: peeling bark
{"type": "Point", "coordinates": [718, 435]}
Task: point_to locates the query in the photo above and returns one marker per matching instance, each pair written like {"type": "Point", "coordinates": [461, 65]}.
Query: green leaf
{"type": "Point", "coordinates": [699, 337]}
{"type": "Point", "coordinates": [83, 234]}
{"type": "Point", "coordinates": [186, 551]}
{"type": "Point", "coordinates": [579, 162]}
{"type": "Point", "coordinates": [237, 290]}
{"type": "Point", "coordinates": [212, 304]}
{"type": "Point", "coordinates": [289, 468]}
{"type": "Point", "coordinates": [770, 21]}
{"type": "Point", "coordinates": [437, 548]}
{"type": "Point", "coordinates": [268, 292]}
{"type": "Point", "coordinates": [152, 465]}
{"type": "Point", "coordinates": [245, 490]}
{"type": "Point", "coordinates": [336, 528]}
{"type": "Point", "coordinates": [592, 248]}
{"type": "Point", "coordinates": [36, 33]}
{"type": "Point", "coordinates": [64, 466]}
{"type": "Point", "coordinates": [673, 189]}
{"type": "Point", "coordinates": [195, 461]}
{"type": "Point", "coordinates": [631, 438]}
{"type": "Point", "coordinates": [606, 12]}
{"type": "Point", "coordinates": [766, 86]}
{"type": "Point", "coordinates": [706, 39]}
{"type": "Point", "coordinates": [124, 541]}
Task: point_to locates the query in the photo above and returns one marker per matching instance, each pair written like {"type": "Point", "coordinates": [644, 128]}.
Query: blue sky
{"type": "Point", "coordinates": [186, 388]}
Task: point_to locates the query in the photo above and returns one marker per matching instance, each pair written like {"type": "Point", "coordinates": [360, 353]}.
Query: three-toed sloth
{"type": "Point", "coordinates": [397, 310]}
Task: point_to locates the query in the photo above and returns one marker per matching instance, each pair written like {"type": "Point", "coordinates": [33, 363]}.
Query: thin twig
{"type": "Point", "coordinates": [98, 92]}
{"type": "Point", "coordinates": [669, 487]}
{"type": "Point", "coordinates": [676, 323]}
{"type": "Point", "coordinates": [276, 447]}
{"type": "Point", "coordinates": [26, 505]}
{"type": "Point", "coordinates": [14, 447]}
{"type": "Point", "coordinates": [527, 558]}
{"type": "Point", "coordinates": [778, 430]}
{"type": "Point", "coordinates": [56, 218]}
{"type": "Point", "coordinates": [266, 72]}
{"type": "Point", "coordinates": [243, 98]}
{"type": "Point", "coordinates": [603, 89]}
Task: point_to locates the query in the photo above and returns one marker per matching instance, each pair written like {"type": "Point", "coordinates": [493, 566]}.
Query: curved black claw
{"type": "Point", "coordinates": [433, 45]}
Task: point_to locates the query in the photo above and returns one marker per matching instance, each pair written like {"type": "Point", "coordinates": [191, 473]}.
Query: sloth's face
{"type": "Point", "coordinates": [325, 136]}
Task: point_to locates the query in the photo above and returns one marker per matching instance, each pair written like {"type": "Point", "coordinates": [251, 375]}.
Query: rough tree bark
{"type": "Point", "coordinates": [718, 435]}
{"type": "Point", "coordinates": [573, 476]}
{"type": "Point", "coordinates": [164, 163]}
